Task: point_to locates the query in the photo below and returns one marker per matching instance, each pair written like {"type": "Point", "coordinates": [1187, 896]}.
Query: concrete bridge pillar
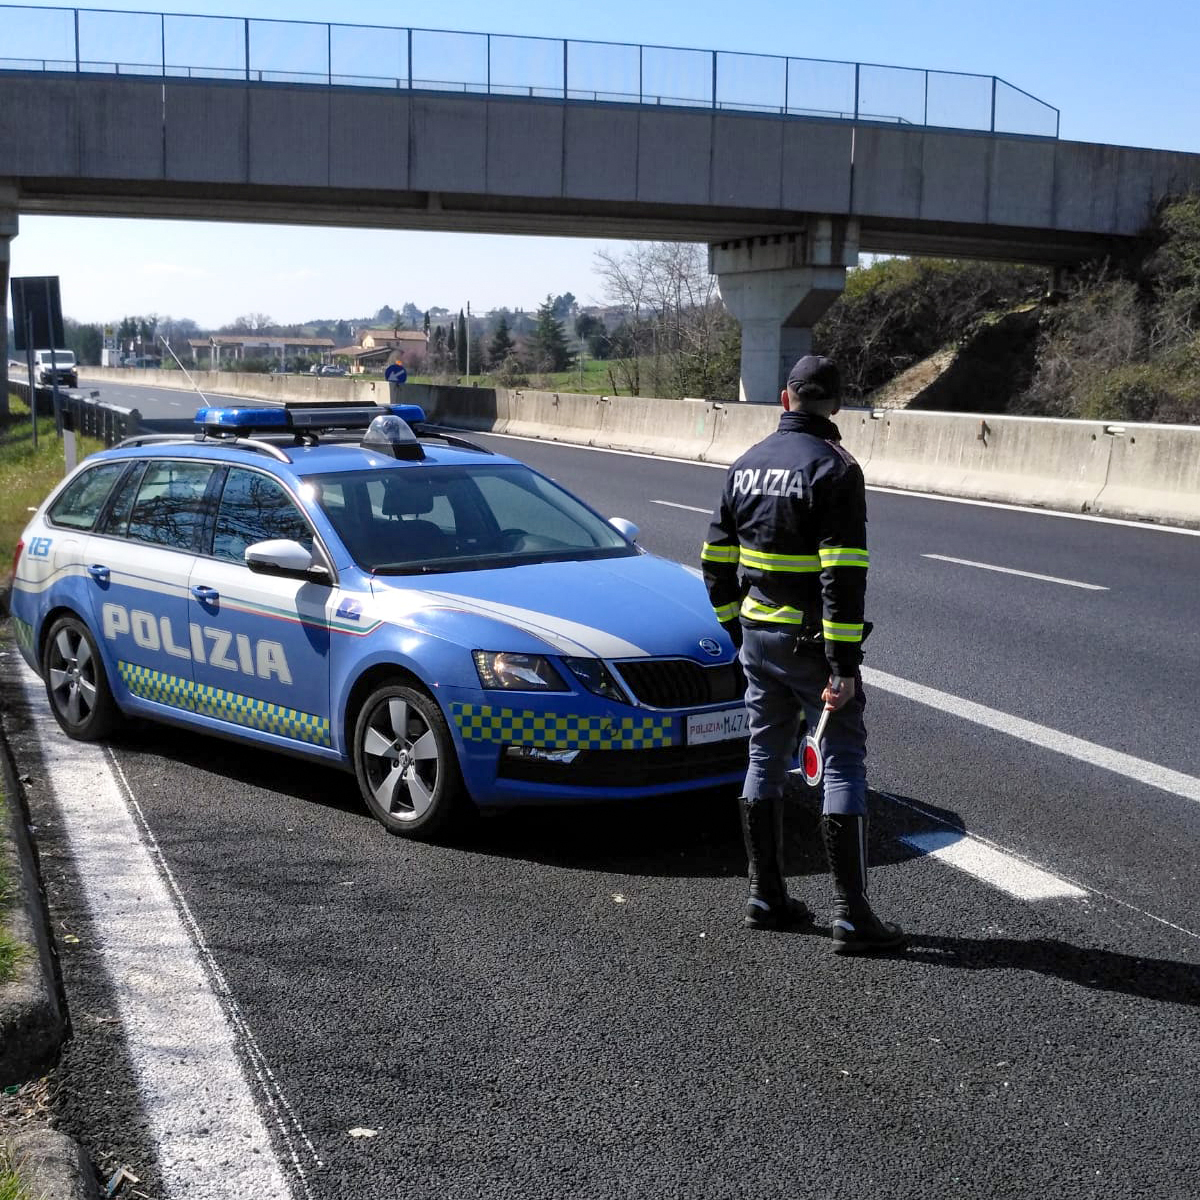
{"type": "Point", "coordinates": [778, 287]}
{"type": "Point", "coordinates": [8, 231]}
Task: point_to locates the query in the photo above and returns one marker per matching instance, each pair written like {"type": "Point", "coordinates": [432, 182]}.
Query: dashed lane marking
{"type": "Point", "coordinates": [1138, 769]}
{"type": "Point", "coordinates": [685, 507]}
{"type": "Point", "coordinates": [182, 1038]}
{"type": "Point", "coordinates": [1002, 870]}
{"type": "Point", "coordinates": [966, 562]}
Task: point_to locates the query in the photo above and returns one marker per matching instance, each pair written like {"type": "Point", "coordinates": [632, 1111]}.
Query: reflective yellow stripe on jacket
{"type": "Point", "coordinates": [719, 554]}
{"type": "Point", "coordinates": [835, 631]}
{"type": "Point", "coordinates": [727, 612]}
{"type": "Point", "coordinates": [843, 556]}
{"type": "Point", "coordinates": [763, 560]}
{"type": "Point", "coordinates": [784, 614]}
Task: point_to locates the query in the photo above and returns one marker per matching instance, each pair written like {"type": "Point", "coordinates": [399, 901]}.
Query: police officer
{"type": "Point", "coordinates": [785, 564]}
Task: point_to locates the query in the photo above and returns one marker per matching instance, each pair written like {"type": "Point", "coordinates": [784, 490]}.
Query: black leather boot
{"type": "Point", "coordinates": [768, 906]}
{"type": "Point", "coordinates": [856, 929]}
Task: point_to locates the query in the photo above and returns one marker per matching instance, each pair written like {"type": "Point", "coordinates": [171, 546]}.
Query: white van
{"type": "Point", "coordinates": [61, 363]}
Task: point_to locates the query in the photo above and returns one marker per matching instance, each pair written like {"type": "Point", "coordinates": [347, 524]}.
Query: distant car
{"type": "Point", "coordinates": [333, 370]}
{"type": "Point", "coordinates": [53, 366]}
{"type": "Point", "coordinates": [447, 623]}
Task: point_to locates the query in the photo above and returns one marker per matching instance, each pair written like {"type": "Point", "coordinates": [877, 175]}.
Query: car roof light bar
{"type": "Point", "coordinates": [301, 418]}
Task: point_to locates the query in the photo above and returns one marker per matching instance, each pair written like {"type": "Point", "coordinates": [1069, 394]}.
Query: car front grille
{"type": "Point", "coordinates": [680, 683]}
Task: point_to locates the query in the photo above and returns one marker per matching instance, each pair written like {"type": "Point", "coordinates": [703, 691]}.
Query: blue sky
{"type": "Point", "coordinates": [1120, 73]}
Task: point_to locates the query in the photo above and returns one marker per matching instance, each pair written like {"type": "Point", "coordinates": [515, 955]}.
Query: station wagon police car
{"type": "Point", "coordinates": [447, 623]}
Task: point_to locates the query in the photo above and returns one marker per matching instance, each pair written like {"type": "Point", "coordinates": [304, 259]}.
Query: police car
{"type": "Point", "coordinates": [447, 623]}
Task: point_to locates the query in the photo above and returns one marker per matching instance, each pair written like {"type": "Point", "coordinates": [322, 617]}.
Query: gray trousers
{"type": "Point", "coordinates": [783, 687]}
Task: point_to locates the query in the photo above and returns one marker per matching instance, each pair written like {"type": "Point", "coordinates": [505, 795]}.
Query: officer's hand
{"type": "Point", "coordinates": [734, 629]}
{"type": "Point", "coordinates": [839, 691]}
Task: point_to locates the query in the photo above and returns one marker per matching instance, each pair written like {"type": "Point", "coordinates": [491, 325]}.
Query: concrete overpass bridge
{"type": "Point", "coordinates": [786, 167]}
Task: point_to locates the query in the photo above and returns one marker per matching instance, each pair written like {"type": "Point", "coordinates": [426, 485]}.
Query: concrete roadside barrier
{"type": "Point", "coordinates": [673, 428]}
{"type": "Point", "coordinates": [1147, 472]}
{"type": "Point", "coordinates": [1014, 460]}
{"type": "Point", "coordinates": [739, 426]}
{"type": "Point", "coordinates": [555, 416]}
{"type": "Point", "coordinates": [1154, 470]}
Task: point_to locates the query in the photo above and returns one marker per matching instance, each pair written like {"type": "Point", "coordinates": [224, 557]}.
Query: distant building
{"type": "Point", "coordinates": [223, 347]}
{"type": "Point", "coordinates": [377, 346]}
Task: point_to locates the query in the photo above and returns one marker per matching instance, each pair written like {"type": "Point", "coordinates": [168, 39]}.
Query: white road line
{"type": "Point", "coordinates": [198, 1103]}
{"type": "Point", "coordinates": [966, 562]}
{"type": "Point", "coordinates": [957, 834]}
{"type": "Point", "coordinates": [1038, 512]}
{"type": "Point", "coordinates": [1137, 769]}
{"type": "Point", "coordinates": [1001, 870]}
{"type": "Point", "coordinates": [685, 507]}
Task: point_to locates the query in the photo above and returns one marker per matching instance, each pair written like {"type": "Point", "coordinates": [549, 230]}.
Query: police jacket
{"type": "Point", "coordinates": [788, 545]}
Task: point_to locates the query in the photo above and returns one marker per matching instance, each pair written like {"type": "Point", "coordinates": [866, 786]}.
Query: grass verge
{"type": "Point", "coordinates": [12, 952]}
{"type": "Point", "coordinates": [27, 475]}
{"type": "Point", "coordinates": [11, 1187]}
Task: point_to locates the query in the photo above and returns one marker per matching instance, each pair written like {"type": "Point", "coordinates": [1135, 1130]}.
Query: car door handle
{"type": "Point", "coordinates": [99, 573]}
{"type": "Point", "coordinates": [206, 595]}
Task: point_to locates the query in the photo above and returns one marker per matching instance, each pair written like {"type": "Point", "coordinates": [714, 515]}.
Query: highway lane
{"type": "Point", "coordinates": [567, 1005]}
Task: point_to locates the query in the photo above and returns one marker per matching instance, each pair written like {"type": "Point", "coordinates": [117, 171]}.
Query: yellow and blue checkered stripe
{"type": "Point", "coordinates": [560, 731]}
{"type": "Point", "coordinates": [182, 693]}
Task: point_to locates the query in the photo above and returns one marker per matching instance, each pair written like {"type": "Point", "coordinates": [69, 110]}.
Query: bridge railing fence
{"type": "Point", "coordinates": [179, 45]}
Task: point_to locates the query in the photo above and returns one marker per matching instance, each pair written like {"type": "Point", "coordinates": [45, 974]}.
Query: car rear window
{"type": "Point", "coordinates": [84, 497]}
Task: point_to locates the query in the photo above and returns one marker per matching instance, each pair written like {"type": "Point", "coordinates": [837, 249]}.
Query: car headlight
{"type": "Point", "coordinates": [516, 672]}
{"type": "Point", "coordinates": [597, 678]}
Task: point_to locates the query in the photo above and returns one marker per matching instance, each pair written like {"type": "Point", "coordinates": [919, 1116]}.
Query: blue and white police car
{"type": "Point", "coordinates": [447, 623]}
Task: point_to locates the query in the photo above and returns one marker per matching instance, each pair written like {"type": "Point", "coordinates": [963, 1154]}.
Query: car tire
{"type": "Point", "coordinates": [407, 766]}
{"type": "Point", "coordinates": [76, 682]}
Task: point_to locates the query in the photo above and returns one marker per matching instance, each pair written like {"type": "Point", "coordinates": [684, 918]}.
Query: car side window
{"type": "Point", "coordinates": [256, 508]}
{"type": "Point", "coordinates": [84, 497]}
{"type": "Point", "coordinates": [117, 517]}
{"type": "Point", "coordinates": [169, 508]}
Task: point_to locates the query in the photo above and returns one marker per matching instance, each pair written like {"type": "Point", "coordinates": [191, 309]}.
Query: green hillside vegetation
{"type": "Point", "coordinates": [1118, 341]}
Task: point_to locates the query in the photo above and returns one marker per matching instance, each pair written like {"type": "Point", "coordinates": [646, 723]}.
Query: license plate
{"type": "Point", "coordinates": [717, 726]}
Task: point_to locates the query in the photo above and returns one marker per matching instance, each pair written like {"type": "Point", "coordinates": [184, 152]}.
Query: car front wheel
{"type": "Point", "coordinates": [76, 683]}
{"type": "Point", "coordinates": [406, 764]}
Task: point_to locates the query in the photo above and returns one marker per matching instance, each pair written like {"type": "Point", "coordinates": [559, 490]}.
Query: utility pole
{"type": "Point", "coordinates": [468, 339]}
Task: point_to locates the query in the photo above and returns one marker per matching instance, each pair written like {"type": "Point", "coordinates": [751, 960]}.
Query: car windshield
{"type": "Point", "coordinates": [408, 520]}
{"type": "Point", "coordinates": [62, 358]}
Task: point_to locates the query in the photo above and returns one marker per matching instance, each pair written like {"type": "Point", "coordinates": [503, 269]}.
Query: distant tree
{"type": "Point", "coordinates": [452, 343]}
{"type": "Point", "coordinates": [251, 323]}
{"type": "Point", "coordinates": [341, 331]}
{"type": "Point", "coordinates": [461, 344]}
{"type": "Point", "coordinates": [426, 325]}
{"type": "Point", "coordinates": [548, 349]}
{"type": "Point", "coordinates": [410, 316]}
{"type": "Point", "coordinates": [437, 350]}
{"type": "Point", "coordinates": [85, 340]}
{"type": "Point", "coordinates": [385, 316]}
{"type": "Point", "coordinates": [563, 306]}
{"type": "Point", "coordinates": [501, 345]}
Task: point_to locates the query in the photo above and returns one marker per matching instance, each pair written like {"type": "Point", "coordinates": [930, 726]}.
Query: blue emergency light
{"type": "Point", "coordinates": [302, 418]}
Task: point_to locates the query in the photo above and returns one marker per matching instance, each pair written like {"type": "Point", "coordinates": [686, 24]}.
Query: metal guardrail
{"type": "Point", "coordinates": [110, 423]}
{"type": "Point", "coordinates": [261, 50]}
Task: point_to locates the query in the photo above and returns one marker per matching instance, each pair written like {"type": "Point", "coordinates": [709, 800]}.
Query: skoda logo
{"type": "Point", "coordinates": [710, 647]}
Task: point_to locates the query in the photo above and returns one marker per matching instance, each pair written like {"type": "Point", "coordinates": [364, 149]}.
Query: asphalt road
{"type": "Point", "coordinates": [568, 1005]}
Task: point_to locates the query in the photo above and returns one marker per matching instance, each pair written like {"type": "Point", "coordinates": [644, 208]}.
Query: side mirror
{"type": "Point", "coordinates": [627, 529]}
{"type": "Point", "coordinates": [284, 557]}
